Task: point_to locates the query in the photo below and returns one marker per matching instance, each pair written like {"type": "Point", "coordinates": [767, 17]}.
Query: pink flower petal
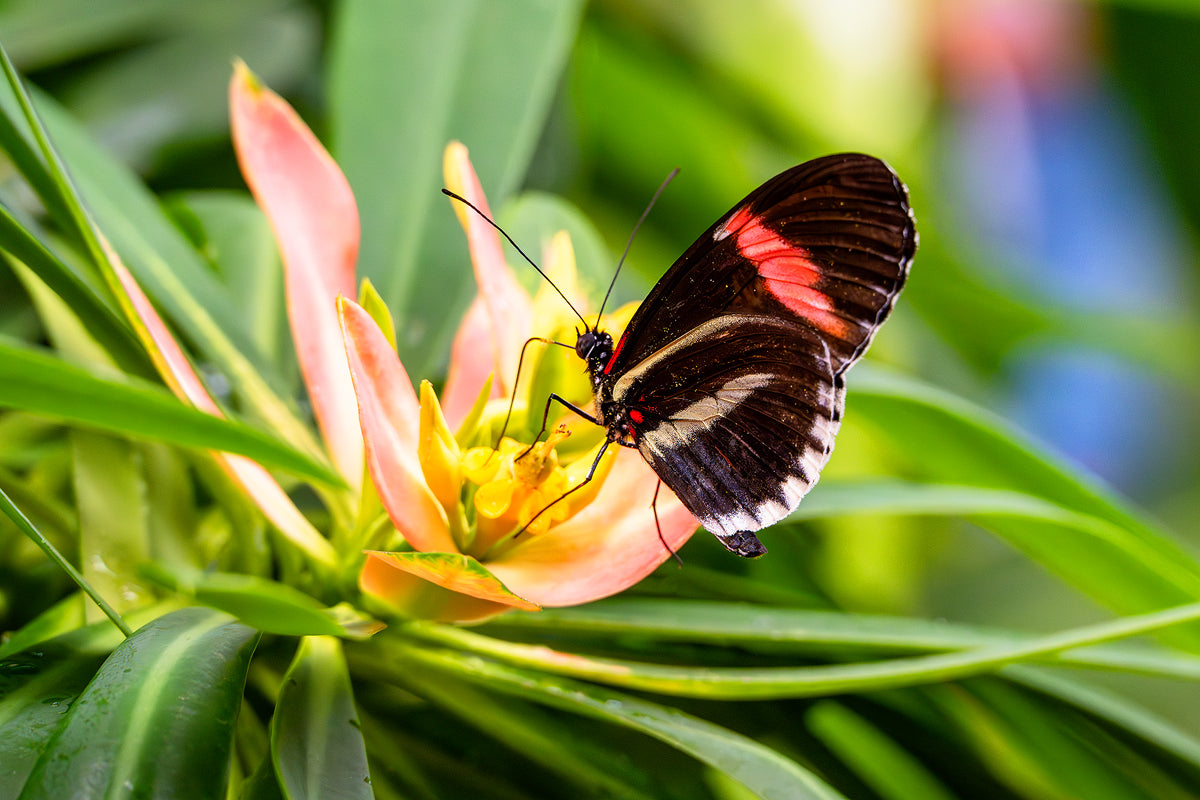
{"type": "Point", "coordinates": [312, 212]}
{"type": "Point", "coordinates": [178, 374]}
{"type": "Point", "coordinates": [390, 415]}
{"type": "Point", "coordinates": [470, 364]}
{"type": "Point", "coordinates": [509, 307]}
{"type": "Point", "coordinates": [605, 548]}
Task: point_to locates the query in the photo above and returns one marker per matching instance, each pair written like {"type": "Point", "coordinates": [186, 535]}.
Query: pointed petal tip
{"type": "Point", "coordinates": [384, 575]}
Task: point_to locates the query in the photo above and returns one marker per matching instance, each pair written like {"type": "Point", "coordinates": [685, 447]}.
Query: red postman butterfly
{"type": "Point", "coordinates": [729, 377]}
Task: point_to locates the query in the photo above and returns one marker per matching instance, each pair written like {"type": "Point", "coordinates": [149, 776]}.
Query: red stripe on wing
{"type": "Point", "coordinates": [616, 352]}
{"type": "Point", "coordinates": [787, 271]}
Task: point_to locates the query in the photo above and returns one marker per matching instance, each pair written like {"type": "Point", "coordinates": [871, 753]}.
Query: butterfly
{"type": "Point", "coordinates": [729, 378]}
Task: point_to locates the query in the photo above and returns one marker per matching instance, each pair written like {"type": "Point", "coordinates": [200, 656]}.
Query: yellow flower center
{"type": "Point", "coordinates": [519, 487]}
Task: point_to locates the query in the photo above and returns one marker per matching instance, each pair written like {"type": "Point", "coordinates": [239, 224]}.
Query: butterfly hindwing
{"type": "Point", "coordinates": [737, 417]}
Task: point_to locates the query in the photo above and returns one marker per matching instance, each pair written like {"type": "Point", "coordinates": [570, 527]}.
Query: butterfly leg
{"type": "Point", "coordinates": [658, 527]}
{"type": "Point", "coordinates": [586, 480]}
{"type": "Point", "coordinates": [546, 416]}
{"type": "Point", "coordinates": [516, 379]}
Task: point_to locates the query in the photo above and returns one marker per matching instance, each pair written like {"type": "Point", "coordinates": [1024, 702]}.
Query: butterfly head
{"type": "Point", "coordinates": [594, 346]}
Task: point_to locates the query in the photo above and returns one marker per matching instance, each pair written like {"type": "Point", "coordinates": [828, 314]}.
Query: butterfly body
{"type": "Point", "coordinates": [729, 377]}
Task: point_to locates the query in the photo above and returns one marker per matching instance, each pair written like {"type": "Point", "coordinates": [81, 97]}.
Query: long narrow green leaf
{"type": "Point", "coordinates": [1046, 749]}
{"type": "Point", "coordinates": [774, 682]}
{"type": "Point", "coordinates": [1075, 527]}
{"type": "Point", "coordinates": [110, 491]}
{"type": "Point", "coordinates": [978, 448]}
{"type": "Point", "coordinates": [16, 141]}
{"type": "Point", "coordinates": [316, 741]}
{"type": "Point", "coordinates": [88, 302]}
{"type": "Point", "coordinates": [159, 715]}
{"type": "Point", "coordinates": [1123, 713]}
{"type": "Point", "coordinates": [539, 738]}
{"type": "Point", "coordinates": [765, 772]}
{"type": "Point", "coordinates": [879, 761]}
{"type": "Point", "coordinates": [39, 383]}
{"type": "Point", "coordinates": [263, 604]}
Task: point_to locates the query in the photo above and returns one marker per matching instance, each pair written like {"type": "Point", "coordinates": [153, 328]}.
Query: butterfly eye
{"type": "Point", "coordinates": [584, 344]}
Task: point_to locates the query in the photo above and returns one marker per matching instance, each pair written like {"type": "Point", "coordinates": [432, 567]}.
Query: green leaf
{"type": "Point", "coordinates": [538, 737]}
{"type": "Point", "coordinates": [46, 32]}
{"type": "Point", "coordinates": [36, 691]}
{"type": "Point", "coordinates": [90, 303]}
{"type": "Point", "coordinates": [533, 218]}
{"type": "Point", "coordinates": [263, 604]}
{"type": "Point", "coordinates": [373, 304]}
{"type": "Point", "coordinates": [745, 683]}
{"type": "Point", "coordinates": [233, 234]}
{"type": "Point", "coordinates": [110, 490]}
{"type": "Point", "coordinates": [316, 741]}
{"type": "Point", "coordinates": [65, 615]}
{"type": "Point", "coordinates": [1076, 528]}
{"type": "Point", "coordinates": [1119, 711]}
{"type": "Point", "coordinates": [159, 714]}
{"type": "Point", "coordinates": [890, 770]}
{"type": "Point", "coordinates": [36, 382]}
{"type": "Point", "coordinates": [497, 67]}
{"type": "Point", "coordinates": [1105, 559]}
{"type": "Point", "coordinates": [1041, 751]}
{"type": "Point", "coordinates": [121, 98]}
{"type": "Point", "coordinates": [762, 770]}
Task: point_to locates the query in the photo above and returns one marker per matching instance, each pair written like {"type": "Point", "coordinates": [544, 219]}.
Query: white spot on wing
{"type": "Point", "coordinates": [708, 409]}
{"type": "Point", "coordinates": [771, 511]}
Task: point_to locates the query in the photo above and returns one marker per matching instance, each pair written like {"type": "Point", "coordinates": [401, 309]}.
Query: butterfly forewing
{"type": "Point", "coordinates": [828, 242]}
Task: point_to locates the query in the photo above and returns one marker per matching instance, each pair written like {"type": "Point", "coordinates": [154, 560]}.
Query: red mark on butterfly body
{"type": "Point", "coordinates": [637, 416]}
{"type": "Point", "coordinates": [788, 271]}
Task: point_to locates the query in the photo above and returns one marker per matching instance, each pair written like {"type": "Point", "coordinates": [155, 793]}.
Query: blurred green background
{"type": "Point", "coordinates": [1050, 149]}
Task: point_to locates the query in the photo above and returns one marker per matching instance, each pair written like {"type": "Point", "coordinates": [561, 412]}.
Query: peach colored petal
{"type": "Point", "coordinates": [312, 212]}
{"type": "Point", "coordinates": [509, 307]}
{"type": "Point", "coordinates": [390, 415]}
{"type": "Point", "coordinates": [453, 571]}
{"type": "Point", "coordinates": [179, 376]}
{"type": "Point", "coordinates": [470, 364]}
{"type": "Point", "coordinates": [418, 598]}
{"type": "Point", "coordinates": [276, 506]}
{"type": "Point", "coordinates": [605, 548]}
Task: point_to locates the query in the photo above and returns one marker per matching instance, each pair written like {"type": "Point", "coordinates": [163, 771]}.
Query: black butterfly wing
{"type": "Point", "coordinates": [737, 417]}
{"type": "Point", "coordinates": [828, 242]}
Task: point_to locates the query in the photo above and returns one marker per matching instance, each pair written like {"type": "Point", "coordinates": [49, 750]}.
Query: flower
{"type": "Point", "coordinates": [481, 526]}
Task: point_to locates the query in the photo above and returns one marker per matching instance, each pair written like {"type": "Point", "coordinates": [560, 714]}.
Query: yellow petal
{"type": "Point", "coordinates": [480, 464]}
{"type": "Point", "coordinates": [438, 451]}
{"type": "Point", "coordinates": [558, 262]}
{"type": "Point", "coordinates": [494, 497]}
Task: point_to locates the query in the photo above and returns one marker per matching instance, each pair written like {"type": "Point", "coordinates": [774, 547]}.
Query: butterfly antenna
{"type": "Point", "coordinates": [629, 244]}
{"type": "Point", "coordinates": [489, 221]}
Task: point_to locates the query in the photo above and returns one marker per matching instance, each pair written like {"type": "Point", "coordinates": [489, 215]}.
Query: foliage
{"type": "Point", "coordinates": [947, 615]}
